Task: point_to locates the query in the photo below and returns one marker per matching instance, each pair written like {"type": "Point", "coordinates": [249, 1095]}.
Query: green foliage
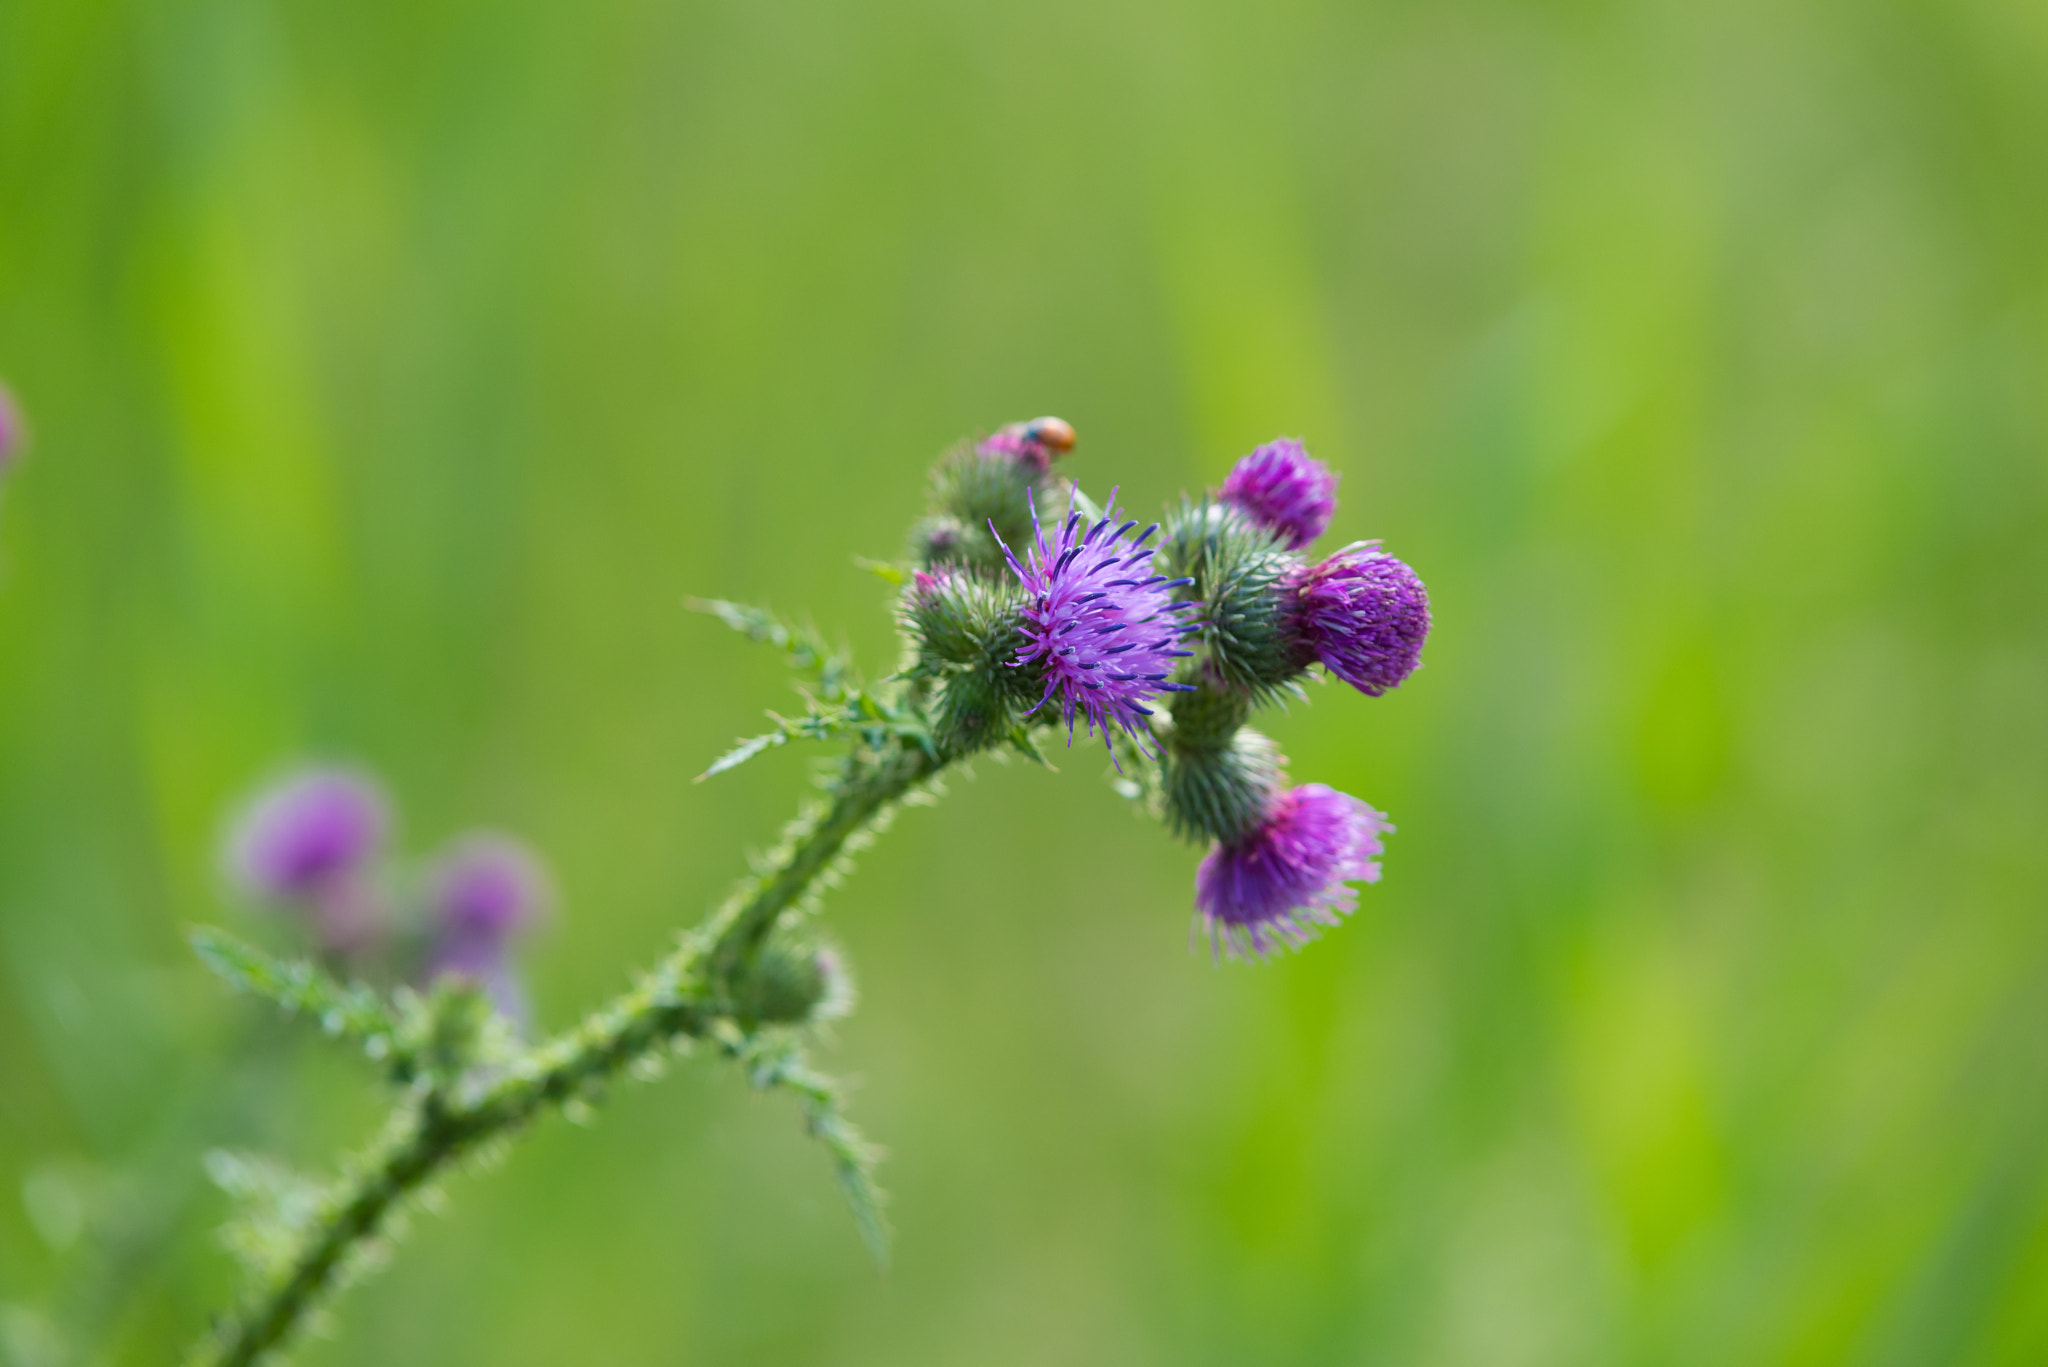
{"type": "Point", "coordinates": [836, 707]}
{"type": "Point", "coordinates": [781, 1063]}
{"type": "Point", "coordinates": [351, 1011]}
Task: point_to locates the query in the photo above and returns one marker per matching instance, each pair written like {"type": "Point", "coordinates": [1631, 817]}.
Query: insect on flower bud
{"type": "Point", "coordinates": [1037, 443]}
{"type": "Point", "coordinates": [1363, 613]}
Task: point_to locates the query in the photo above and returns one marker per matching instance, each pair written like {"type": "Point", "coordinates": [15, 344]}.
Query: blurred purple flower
{"type": "Point", "coordinates": [1289, 875]}
{"type": "Point", "coordinates": [484, 892]}
{"type": "Point", "coordinates": [307, 831]}
{"type": "Point", "coordinates": [1284, 490]}
{"type": "Point", "coordinates": [1365, 615]}
{"type": "Point", "coordinates": [309, 839]}
{"type": "Point", "coordinates": [12, 431]}
{"type": "Point", "coordinates": [1103, 626]}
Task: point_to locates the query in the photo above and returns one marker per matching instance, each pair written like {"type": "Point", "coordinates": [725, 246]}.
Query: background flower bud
{"type": "Point", "coordinates": [306, 832]}
{"type": "Point", "coordinates": [308, 841]}
{"type": "Point", "coordinates": [483, 894]}
{"type": "Point", "coordinates": [13, 433]}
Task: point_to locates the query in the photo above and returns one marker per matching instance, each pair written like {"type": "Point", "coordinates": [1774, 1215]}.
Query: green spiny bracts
{"type": "Point", "coordinates": [793, 981]}
{"type": "Point", "coordinates": [943, 539]}
{"type": "Point", "coordinates": [1208, 717]}
{"type": "Point", "coordinates": [1220, 793]}
{"type": "Point", "coordinates": [967, 634]}
{"type": "Point", "coordinates": [959, 619]}
{"type": "Point", "coordinates": [1218, 776]}
{"type": "Point", "coordinates": [1239, 572]}
{"type": "Point", "coordinates": [976, 488]}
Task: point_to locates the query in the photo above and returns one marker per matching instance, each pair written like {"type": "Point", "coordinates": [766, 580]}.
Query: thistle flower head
{"type": "Point", "coordinates": [1275, 885]}
{"type": "Point", "coordinates": [12, 431]}
{"type": "Point", "coordinates": [1099, 622]}
{"type": "Point", "coordinates": [307, 834]}
{"type": "Point", "coordinates": [486, 890]}
{"type": "Point", "coordinates": [1037, 443]}
{"type": "Point", "coordinates": [1284, 490]}
{"type": "Point", "coordinates": [1364, 614]}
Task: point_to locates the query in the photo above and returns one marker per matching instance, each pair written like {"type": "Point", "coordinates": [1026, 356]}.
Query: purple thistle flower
{"type": "Point", "coordinates": [1099, 621]}
{"type": "Point", "coordinates": [1273, 887]}
{"type": "Point", "coordinates": [1364, 613]}
{"type": "Point", "coordinates": [486, 890]}
{"type": "Point", "coordinates": [309, 840]}
{"type": "Point", "coordinates": [12, 430]}
{"type": "Point", "coordinates": [1037, 443]}
{"type": "Point", "coordinates": [1284, 490]}
{"type": "Point", "coordinates": [307, 833]}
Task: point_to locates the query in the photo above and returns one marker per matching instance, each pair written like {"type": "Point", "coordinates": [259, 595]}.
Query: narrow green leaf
{"type": "Point", "coordinates": [744, 751]}
{"type": "Point", "coordinates": [301, 988]}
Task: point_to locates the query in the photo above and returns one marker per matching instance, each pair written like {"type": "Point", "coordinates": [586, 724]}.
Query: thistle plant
{"type": "Point", "coordinates": [1031, 617]}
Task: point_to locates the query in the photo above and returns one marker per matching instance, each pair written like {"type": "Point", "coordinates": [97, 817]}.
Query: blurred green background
{"type": "Point", "coordinates": [397, 369]}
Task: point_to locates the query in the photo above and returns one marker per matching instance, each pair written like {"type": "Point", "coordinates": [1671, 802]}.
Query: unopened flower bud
{"type": "Point", "coordinates": [1363, 613]}
{"type": "Point", "coordinates": [1285, 491]}
{"type": "Point", "coordinates": [1240, 573]}
{"type": "Point", "coordinates": [794, 982]}
{"type": "Point", "coordinates": [1219, 792]}
{"type": "Point", "coordinates": [959, 618]}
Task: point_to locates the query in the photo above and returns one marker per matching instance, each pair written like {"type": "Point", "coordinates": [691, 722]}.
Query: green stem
{"type": "Point", "coordinates": [681, 998]}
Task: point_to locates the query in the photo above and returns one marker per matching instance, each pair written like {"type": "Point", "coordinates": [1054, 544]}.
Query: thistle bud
{"type": "Point", "coordinates": [794, 982]}
{"type": "Point", "coordinates": [1220, 792]}
{"type": "Point", "coordinates": [1363, 613]}
{"type": "Point", "coordinates": [1239, 573]}
{"type": "Point", "coordinates": [943, 539]}
{"type": "Point", "coordinates": [957, 618]}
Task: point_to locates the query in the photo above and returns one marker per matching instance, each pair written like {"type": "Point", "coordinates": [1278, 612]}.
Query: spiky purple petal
{"type": "Point", "coordinates": [1365, 615]}
{"type": "Point", "coordinates": [1275, 886]}
{"type": "Point", "coordinates": [1108, 641]}
{"type": "Point", "coordinates": [1284, 490]}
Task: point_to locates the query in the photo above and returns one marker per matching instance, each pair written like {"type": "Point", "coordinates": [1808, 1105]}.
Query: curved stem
{"type": "Point", "coordinates": [681, 998]}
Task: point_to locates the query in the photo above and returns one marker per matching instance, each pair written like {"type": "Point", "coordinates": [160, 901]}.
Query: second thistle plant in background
{"type": "Point", "coordinates": [1030, 614]}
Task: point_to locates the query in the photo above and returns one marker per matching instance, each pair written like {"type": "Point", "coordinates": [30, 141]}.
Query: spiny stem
{"type": "Point", "coordinates": [681, 998]}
